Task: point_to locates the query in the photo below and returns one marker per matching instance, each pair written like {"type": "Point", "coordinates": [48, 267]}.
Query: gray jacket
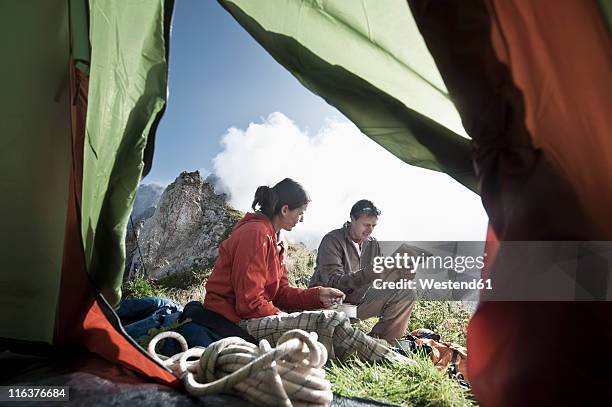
{"type": "Point", "coordinates": [340, 266]}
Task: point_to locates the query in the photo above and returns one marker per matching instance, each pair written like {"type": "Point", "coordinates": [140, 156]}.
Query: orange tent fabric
{"type": "Point", "coordinates": [82, 318]}
{"type": "Point", "coordinates": [531, 80]}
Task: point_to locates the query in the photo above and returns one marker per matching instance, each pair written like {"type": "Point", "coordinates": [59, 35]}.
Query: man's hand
{"type": "Point", "coordinates": [330, 296]}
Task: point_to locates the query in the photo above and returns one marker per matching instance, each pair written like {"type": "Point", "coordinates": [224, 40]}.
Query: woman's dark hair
{"type": "Point", "coordinates": [269, 201]}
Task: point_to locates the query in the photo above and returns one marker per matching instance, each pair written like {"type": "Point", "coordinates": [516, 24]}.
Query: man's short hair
{"type": "Point", "coordinates": [364, 207]}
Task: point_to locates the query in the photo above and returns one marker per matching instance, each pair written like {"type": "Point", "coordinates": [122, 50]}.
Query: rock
{"type": "Point", "coordinates": [185, 231]}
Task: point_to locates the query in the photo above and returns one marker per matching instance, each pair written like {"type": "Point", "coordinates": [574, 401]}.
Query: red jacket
{"type": "Point", "coordinates": [249, 279]}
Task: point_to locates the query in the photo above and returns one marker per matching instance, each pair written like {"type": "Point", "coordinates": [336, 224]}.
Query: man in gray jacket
{"type": "Point", "coordinates": [345, 261]}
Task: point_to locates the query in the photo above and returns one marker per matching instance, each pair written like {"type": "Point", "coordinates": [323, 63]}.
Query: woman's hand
{"type": "Point", "coordinates": [330, 296]}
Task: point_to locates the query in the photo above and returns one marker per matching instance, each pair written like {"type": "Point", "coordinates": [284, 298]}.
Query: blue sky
{"type": "Point", "coordinates": [221, 77]}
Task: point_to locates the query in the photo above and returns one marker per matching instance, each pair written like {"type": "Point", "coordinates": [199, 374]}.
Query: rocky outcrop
{"type": "Point", "coordinates": [185, 231]}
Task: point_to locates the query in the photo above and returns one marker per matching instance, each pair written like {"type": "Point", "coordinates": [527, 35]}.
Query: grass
{"type": "Point", "coordinates": [447, 318]}
{"type": "Point", "coordinates": [142, 287]}
{"type": "Point", "coordinates": [421, 385]}
{"type": "Point", "coordinates": [186, 286]}
{"type": "Point", "coordinates": [300, 265]}
{"type": "Point", "coordinates": [179, 287]}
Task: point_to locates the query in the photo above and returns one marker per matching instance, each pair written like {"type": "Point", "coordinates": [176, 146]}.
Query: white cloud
{"type": "Point", "coordinates": [204, 172]}
{"type": "Point", "coordinates": [338, 166]}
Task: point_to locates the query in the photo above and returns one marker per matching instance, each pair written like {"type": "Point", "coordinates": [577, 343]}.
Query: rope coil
{"type": "Point", "coordinates": [289, 375]}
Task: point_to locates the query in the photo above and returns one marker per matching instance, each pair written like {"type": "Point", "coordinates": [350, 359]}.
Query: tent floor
{"type": "Point", "coordinates": [93, 381]}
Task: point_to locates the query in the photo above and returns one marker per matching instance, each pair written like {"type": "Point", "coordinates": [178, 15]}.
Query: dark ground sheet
{"type": "Point", "coordinates": [95, 382]}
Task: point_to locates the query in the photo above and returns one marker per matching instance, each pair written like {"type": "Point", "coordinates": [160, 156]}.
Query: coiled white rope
{"type": "Point", "coordinates": [289, 375]}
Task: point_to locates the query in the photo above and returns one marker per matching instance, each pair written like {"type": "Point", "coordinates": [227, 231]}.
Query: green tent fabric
{"type": "Point", "coordinates": [35, 159]}
{"type": "Point", "coordinates": [388, 84]}
{"type": "Point", "coordinates": [127, 90]}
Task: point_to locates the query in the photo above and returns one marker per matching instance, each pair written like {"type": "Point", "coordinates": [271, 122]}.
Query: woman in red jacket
{"type": "Point", "coordinates": [249, 285]}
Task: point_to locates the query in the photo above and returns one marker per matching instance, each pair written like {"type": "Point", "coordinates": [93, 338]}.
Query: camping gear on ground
{"type": "Point", "coordinates": [142, 318]}
{"type": "Point", "coordinates": [424, 333]}
{"type": "Point", "coordinates": [140, 315]}
{"type": "Point", "coordinates": [444, 355]}
{"type": "Point", "coordinates": [334, 331]}
{"type": "Point", "coordinates": [94, 381]}
{"type": "Point", "coordinates": [349, 310]}
{"type": "Point", "coordinates": [292, 372]}
{"type": "Point", "coordinates": [215, 322]}
{"type": "Point", "coordinates": [447, 355]}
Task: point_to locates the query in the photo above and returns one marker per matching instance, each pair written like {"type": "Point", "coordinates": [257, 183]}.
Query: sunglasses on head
{"type": "Point", "coordinates": [370, 210]}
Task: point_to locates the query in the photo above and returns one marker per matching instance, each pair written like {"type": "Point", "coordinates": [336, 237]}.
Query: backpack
{"type": "Point", "coordinates": [444, 355]}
